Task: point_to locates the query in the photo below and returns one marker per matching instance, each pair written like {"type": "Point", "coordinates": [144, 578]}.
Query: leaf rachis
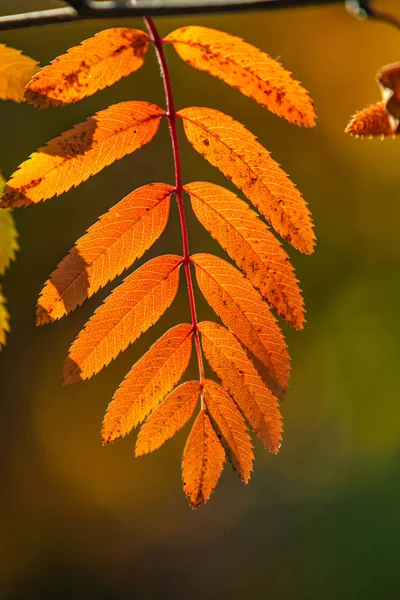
{"type": "Point", "coordinates": [171, 116]}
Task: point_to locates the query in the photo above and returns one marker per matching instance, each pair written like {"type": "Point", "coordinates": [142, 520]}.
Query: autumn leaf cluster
{"type": "Point", "coordinates": [246, 349]}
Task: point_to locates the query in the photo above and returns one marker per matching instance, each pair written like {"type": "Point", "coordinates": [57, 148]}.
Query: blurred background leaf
{"type": "Point", "coordinates": [8, 248]}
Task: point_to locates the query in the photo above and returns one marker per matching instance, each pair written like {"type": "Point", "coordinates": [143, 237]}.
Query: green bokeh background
{"type": "Point", "coordinates": [320, 520]}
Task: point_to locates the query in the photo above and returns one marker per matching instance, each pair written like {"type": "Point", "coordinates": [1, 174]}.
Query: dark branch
{"type": "Point", "coordinates": [91, 9]}
{"type": "Point", "coordinates": [365, 9]}
{"type": "Point", "coordinates": [80, 10]}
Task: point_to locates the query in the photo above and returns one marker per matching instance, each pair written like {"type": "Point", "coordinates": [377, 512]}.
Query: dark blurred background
{"type": "Point", "coordinates": [320, 520]}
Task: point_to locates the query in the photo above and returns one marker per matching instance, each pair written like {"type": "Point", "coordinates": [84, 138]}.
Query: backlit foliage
{"type": "Point", "coordinates": [383, 118]}
{"type": "Point", "coordinates": [247, 353]}
{"type": "Point", "coordinates": [15, 72]}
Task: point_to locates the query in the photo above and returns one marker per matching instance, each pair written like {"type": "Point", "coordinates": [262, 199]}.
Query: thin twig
{"type": "Point", "coordinates": [80, 10]}
{"type": "Point", "coordinates": [364, 9]}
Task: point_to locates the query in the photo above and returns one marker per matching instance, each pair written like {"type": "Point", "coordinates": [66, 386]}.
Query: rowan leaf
{"type": "Point", "coordinates": [230, 147]}
{"type": "Point", "coordinates": [203, 461]}
{"type": "Point", "coordinates": [94, 65]}
{"type": "Point", "coordinates": [240, 379]}
{"type": "Point", "coordinates": [16, 70]}
{"type": "Point", "coordinates": [77, 154]}
{"type": "Point", "coordinates": [231, 425]}
{"type": "Point", "coordinates": [168, 418]}
{"type": "Point", "coordinates": [147, 383]}
{"type": "Point", "coordinates": [4, 320]}
{"type": "Point", "coordinates": [372, 121]}
{"type": "Point", "coordinates": [251, 245]}
{"type": "Point", "coordinates": [245, 314]}
{"type": "Point", "coordinates": [246, 68]}
{"type": "Point", "coordinates": [131, 308]}
{"type": "Point", "coordinates": [248, 355]}
{"type": "Point", "coordinates": [120, 236]}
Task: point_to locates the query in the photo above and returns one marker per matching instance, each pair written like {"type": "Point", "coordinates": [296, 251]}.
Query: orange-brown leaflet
{"type": "Point", "coordinates": [230, 147]}
{"type": "Point", "coordinates": [389, 82]}
{"type": "Point", "coordinates": [241, 380]}
{"type": "Point", "coordinates": [97, 63]}
{"type": "Point", "coordinates": [246, 68]}
{"type": "Point", "coordinates": [83, 151]}
{"type": "Point", "coordinates": [371, 121]}
{"type": "Point", "coordinates": [111, 245]}
{"type": "Point", "coordinates": [232, 427]}
{"type": "Point", "coordinates": [168, 418]}
{"type": "Point", "coordinates": [251, 244]}
{"type": "Point", "coordinates": [245, 314]}
{"type": "Point", "coordinates": [131, 308]}
{"type": "Point", "coordinates": [148, 382]}
{"type": "Point", "coordinates": [203, 461]}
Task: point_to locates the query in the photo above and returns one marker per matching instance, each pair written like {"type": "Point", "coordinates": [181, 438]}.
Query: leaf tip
{"type": "Point", "coordinates": [43, 317]}
{"type": "Point", "coordinates": [106, 439]}
{"type": "Point", "coordinates": [71, 372]}
{"type": "Point", "coordinates": [140, 449]}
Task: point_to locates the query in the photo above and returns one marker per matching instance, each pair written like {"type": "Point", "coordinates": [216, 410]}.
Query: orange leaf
{"type": "Point", "coordinates": [246, 68]}
{"type": "Point", "coordinates": [241, 380]}
{"type": "Point", "coordinates": [232, 426]}
{"type": "Point", "coordinates": [230, 147]}
{"type": "Point", "coordinates": [97, 63]}
{"type": "Point", "coordinates": [172, 414]}
{"type": "Point", "coordinates": [372, 121]}
{"type": "Point", "coordinates": [389, 79]}
{"type": "Point", "coordinates": [245, 314]}
{"type": "Point", "coordinates": [111, 245]}
{"type": "Point", "coordinates": [15, 72]}
{"type": "Point", "coordinates": [85, 150]}
{"type": "Point", "coordinates": [203, 461]}
{"type": "Point", "coordinates": [389, 83]}
{"type": "Point", "coordinates": [132, 307]}
{"type": "Point", "coordinates": [148, 382]}
{"type": "Point", "coordinates": [251, 244]}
